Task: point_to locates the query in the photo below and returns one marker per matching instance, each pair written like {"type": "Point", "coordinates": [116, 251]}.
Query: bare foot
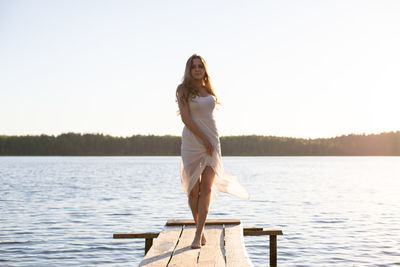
{"type": "Point", "coordinates": [196, 243]}
{"type": "Point", "coordinates": [203, 240]}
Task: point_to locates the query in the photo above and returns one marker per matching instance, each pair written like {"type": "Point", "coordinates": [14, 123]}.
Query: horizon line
{"type": "Point", "coordinates": [163, 135]}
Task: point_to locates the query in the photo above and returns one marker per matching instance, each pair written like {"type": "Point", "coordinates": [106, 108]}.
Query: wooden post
{"type": "Point", "coordinates": [252, 231]}
{"type": "Point", "coordinates": [272, 251]}
{"type": "Point", "coordinates": [147, 245]}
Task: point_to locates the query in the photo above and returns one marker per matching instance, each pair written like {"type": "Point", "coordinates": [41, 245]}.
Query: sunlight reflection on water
{"type": "Point", "coordinates": [334, 211]}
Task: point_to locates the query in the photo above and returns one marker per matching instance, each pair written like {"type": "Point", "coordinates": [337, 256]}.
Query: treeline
{"type": "Point", "coordinates": [75, 144]}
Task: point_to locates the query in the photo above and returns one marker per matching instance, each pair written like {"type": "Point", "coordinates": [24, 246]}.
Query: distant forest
{"type": "Point", "coordinates": [76, 144]}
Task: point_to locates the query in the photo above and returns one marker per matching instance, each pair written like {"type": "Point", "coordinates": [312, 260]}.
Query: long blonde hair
{"type": "Point", "coordinates": [187, 90]}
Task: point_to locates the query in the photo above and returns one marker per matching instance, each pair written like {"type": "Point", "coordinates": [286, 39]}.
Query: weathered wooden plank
{"type": "Point", "coordinates": [235, 252]}
{"type": "Point", "coordinates": [252, 228]}
{"type": "Point", "coordinates": [252, 231]}
{"type": "Point", "coordinates": [208, 222]}
{"type": "Point", "coordinates": [248, 232]}
{"type": "Point", "coordinates": [184, 255]}
{"type": "Point", "coordinates": [135, 235]}
{"type": "Point", "coordinates": [225, 244]}
{"type": "Point", "coordinates": [161, 251]}
{"type": "Point", "coordinates": [213, 253]}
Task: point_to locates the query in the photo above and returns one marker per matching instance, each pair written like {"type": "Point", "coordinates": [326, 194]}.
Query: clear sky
{"type": "Point", "coordinates": [287, 68]}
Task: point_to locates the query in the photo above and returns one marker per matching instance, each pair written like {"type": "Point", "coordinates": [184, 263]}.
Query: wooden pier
{"type": "Point", "coordinates": [225, 244]}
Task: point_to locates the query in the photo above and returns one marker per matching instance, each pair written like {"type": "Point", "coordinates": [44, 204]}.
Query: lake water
{"type": "Point", "coordinates": [334, 211]}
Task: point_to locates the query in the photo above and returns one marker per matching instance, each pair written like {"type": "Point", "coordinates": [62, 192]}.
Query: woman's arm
{"type": "Point", "coordinates": [188, 121]}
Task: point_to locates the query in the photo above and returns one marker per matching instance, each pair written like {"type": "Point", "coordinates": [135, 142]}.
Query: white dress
{"type": "Point", "coordinates": [193, 152]}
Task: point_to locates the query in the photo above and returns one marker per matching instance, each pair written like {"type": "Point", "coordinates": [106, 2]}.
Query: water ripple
{"type": "Point", "coordinates": [334, 211]}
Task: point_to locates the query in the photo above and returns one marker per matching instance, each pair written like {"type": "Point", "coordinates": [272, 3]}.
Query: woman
{"type": "Point", "coordinates": [201, 166]}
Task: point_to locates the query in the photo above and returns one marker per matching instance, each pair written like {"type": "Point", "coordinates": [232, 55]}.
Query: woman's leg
{"type": "Point", "coordinates": [207, 180]}
{"type": "Point", "coordinates": [194, 206]}
{"type": "Point", "coordinates": [194, 200]}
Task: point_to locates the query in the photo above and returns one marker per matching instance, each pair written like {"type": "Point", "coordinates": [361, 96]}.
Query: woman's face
{"type": "Point", "coordinates": [197, 70]}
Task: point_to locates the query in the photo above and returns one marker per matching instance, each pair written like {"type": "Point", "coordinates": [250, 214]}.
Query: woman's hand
{"type": "Point", "coordinates": [209, 147]}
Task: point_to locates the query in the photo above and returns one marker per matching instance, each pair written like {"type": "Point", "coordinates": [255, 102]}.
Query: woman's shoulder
{"type": "Point", "coordinates": [181, 89]}
{"type": "Point", "coordinates": [183, 93]}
